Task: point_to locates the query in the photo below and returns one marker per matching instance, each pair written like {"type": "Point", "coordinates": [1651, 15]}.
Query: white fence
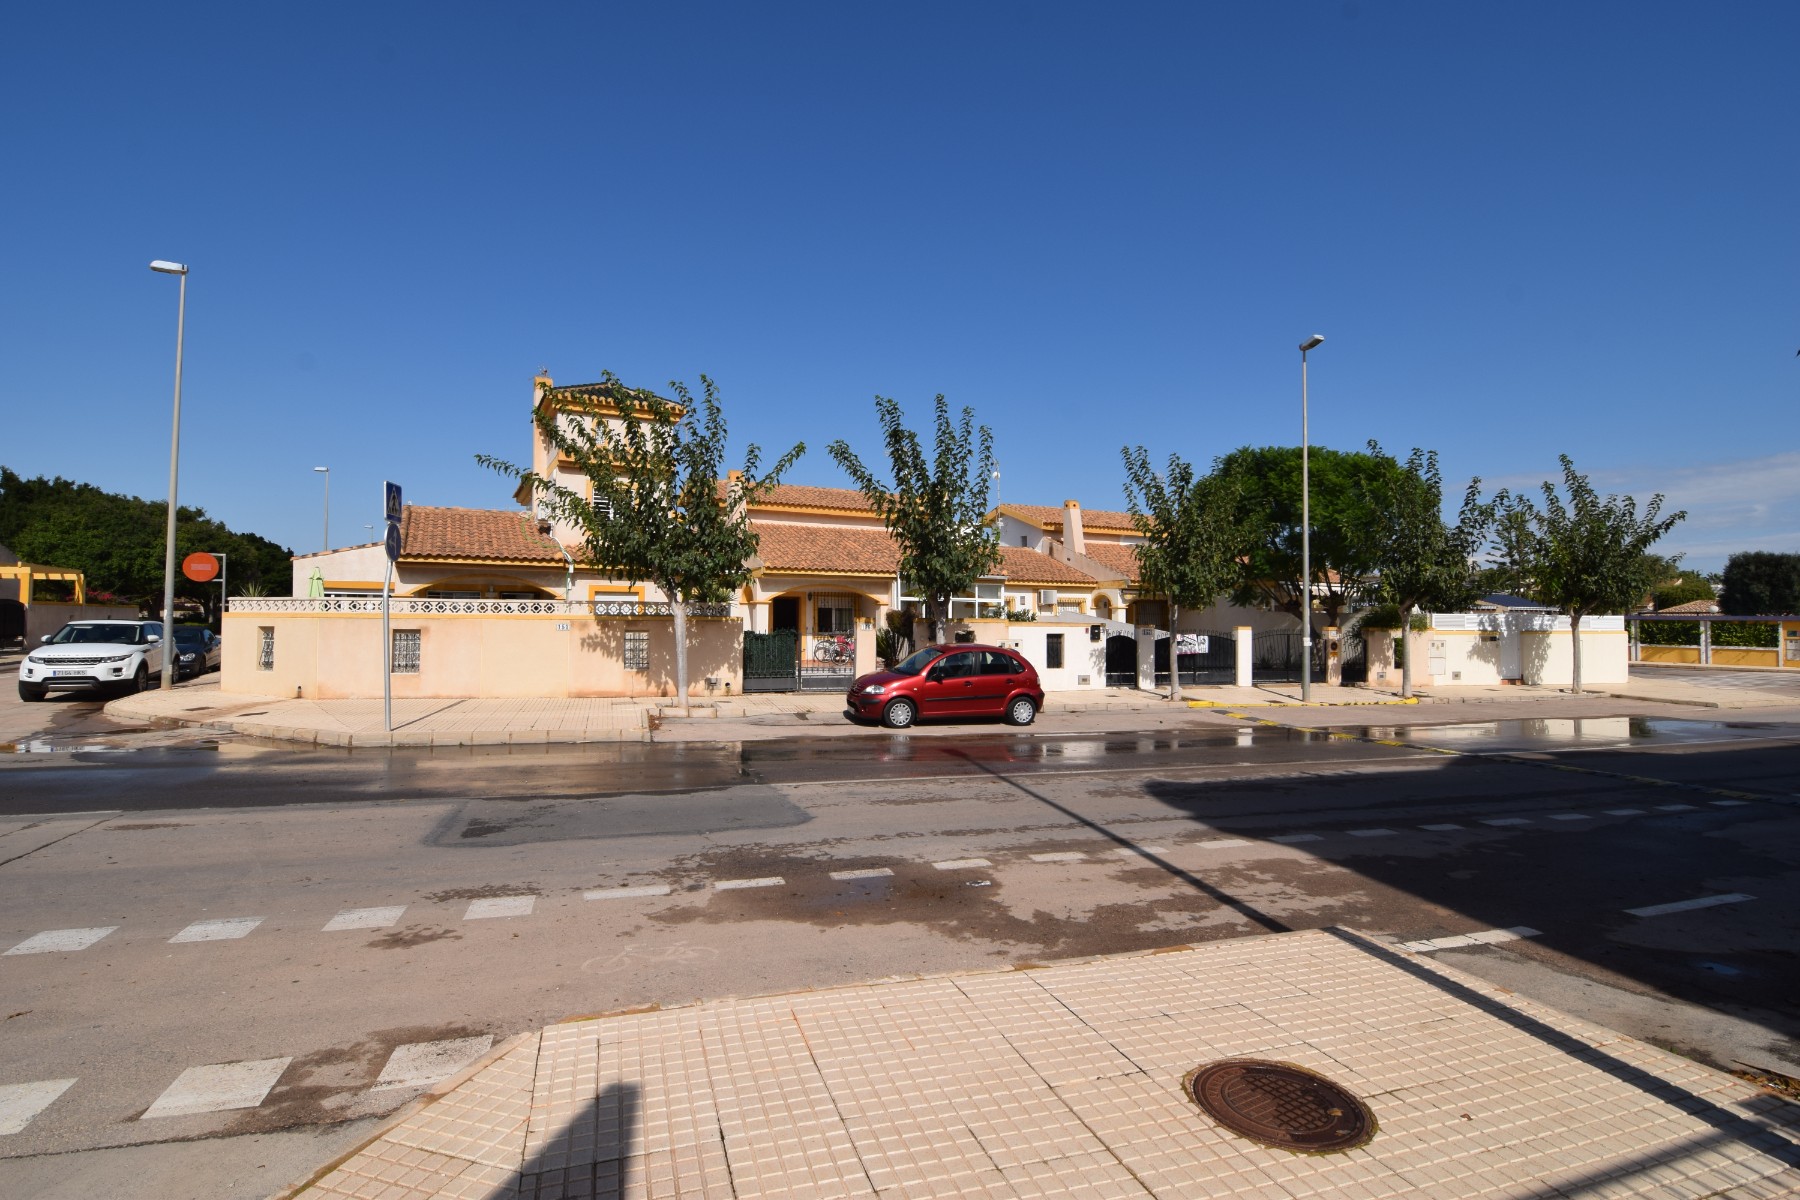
{"type": "Point", "coordinates": [423, 606]}
{"type": "Point", "coordinates": [1522, 622]}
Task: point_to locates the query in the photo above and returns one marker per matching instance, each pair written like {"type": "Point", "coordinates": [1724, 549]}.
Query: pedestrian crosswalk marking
{"type": "Point", "coordinates": [961, 864]}
{"type": "Point", "coordinates": [1220, 844]}
{"type": "Point", "coordinates": [1657, 910]}
{"type": "Point", "coordinates": [364, 918]}
{"type": "Point", "coordinates": [500, 906]}
{"type": "Point", "coordinates": [218, 1088]}
{"type": "Point", "coordinates": [1060, 856]}
{"type": "Point", "coordinates": [1485, 937]}
{"type": "Point", "coordinates": [1570, 817]}
{"type": "Point", "coordinates": [421, 1063]}
{"type": "Point", "coordinates": [1142, 851]}
{"type": "Point", "coordinates": [1675, 808]}
{"type": "Point", "coordinates": [66, 940]}
{"type": "Point", "coordinates": [1372, 832]}
{"type": "Point", "coordinates": [223, 930]}
{"type": "Point", "coordinates": [1443, 827]}
{"type": "Point", "coordinates": [627, 893]}
{"type": "Point", "coordinates": [731, 885]}
{"type": "Point", "coordinates": [1624, 812]}
{"type": "Point", "coordinates": [20, 1102]}
{"type": "Point", "coordinates": [864, 873]}
{"type": "Point", "coordinates": [1290, 838]}
{"type": "Point", "coordinates": [1507, 821]}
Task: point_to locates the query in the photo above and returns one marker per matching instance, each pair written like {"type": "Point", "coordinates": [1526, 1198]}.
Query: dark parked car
{"type": "Point", "coordinates": [949, 681]}
{"type": "Point", "coordinates": [196, 651]}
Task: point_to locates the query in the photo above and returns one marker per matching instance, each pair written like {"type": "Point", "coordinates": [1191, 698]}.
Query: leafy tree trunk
{"type": "Point", "coordinates": [1174, 654]}
{"type": "Point", "coordinates": [1404, 633]}
{"type": "Point", "coordinates": [1575, 644]}
{"type": "Point", "coordinates": [936, 612]}
{"type": "Point", "coordinates": [678, 611]}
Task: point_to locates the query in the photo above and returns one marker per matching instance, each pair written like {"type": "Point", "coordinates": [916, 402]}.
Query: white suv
{"type": "Point", "coordinates": [92, 655]}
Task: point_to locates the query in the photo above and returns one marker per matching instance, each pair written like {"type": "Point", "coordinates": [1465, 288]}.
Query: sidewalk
{"type": "Point", "coordinates": [1068, 1081]}
{"type": "Point", "coordinates": [525, 721]}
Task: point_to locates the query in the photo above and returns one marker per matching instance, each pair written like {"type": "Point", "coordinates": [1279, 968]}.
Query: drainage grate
{"type": "Point", "coordinates": [1280, 1105]}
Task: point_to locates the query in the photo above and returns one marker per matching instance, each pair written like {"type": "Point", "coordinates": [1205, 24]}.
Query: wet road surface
{"type": "Point", "coordinates": [499, 890]}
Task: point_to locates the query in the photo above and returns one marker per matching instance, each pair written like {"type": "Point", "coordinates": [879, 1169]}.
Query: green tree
{"type": "Point", "coordinates": [1192, 536]}
{"type": "Point", "coordinates": [1684, 587]}
{"type": "Point", "coordinates": [661, 512]}
{"type": "Point", "coordinates": [1761, 583]}
{"type": "Point", "coordinates": [936, 507]}
{"type": "Point", "coordinates": [1581, 555]}
{"type": "Point", "coordinates": [1266, 481]}
{"type": "Point", "coordinates": [1421, 560]}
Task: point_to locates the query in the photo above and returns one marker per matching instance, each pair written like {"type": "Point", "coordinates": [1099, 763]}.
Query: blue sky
{"type": "Point", "coordinates": [1524, 229]}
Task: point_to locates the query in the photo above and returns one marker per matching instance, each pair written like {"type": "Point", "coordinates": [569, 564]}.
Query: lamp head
{"type": "Point", "coordinates": [327, 470]}
{"type": "Point", "coordinates": [165, 267]}
{"type": "Point", "coordinates": [1311, 343]}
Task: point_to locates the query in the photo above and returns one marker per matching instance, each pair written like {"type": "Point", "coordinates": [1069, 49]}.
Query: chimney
{"type": "Point", "coordinates": [1072, 527]}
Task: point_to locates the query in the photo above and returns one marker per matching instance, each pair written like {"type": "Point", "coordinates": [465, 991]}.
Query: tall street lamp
{"type": "Point", "coordinates": [164, 267]}
{"type": "Point", "coordinates": [326, 471]}
{"type": "Point", "coordinates": [1306, 594]}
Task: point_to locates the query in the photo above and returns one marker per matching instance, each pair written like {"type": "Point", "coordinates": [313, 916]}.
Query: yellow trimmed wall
{"type": "Point", "coordinates": [336, 656]}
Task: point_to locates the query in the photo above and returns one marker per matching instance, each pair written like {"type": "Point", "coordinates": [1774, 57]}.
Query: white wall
{"type": "Point", "coordinates": [1462, 649]}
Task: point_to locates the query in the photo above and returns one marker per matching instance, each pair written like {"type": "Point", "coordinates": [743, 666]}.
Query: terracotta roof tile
{"type": "Point", "coordinates": [1021, 565]}
{"type": "Point", "coordinates": [1051, 519]}
{"type": "Point", "coordinates": [1112, 555]}
{"type": "Point", "coordinates": [831, 548]}
{"type": "Point", "coordinates": [1692, 606]}
{"type": "Point", "coordinates": [798, 495]}
{"type": "Point", "coordinates": [474, 533]}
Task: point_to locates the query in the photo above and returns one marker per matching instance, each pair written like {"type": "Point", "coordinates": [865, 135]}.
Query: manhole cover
{"type": "Point", "coordinates": [1280, 1105]}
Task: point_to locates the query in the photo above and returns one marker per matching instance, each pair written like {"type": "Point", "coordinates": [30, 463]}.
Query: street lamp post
{"type": "Point", "coordinates": [1306, 594]}
{"type": "Point", "coordinates": [164, 267]}
{"type": "Point", "coordinates": [327, 473]}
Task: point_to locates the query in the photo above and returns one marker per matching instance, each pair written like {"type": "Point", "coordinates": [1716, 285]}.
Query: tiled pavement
{"type": "Point", "coordinates": [1066, 1081]}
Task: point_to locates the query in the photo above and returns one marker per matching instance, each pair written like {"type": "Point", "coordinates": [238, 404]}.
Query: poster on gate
{"type": "Point", "coordinates": [1191, 643]}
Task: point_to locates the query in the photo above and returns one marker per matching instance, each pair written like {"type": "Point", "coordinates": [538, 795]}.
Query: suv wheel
{"type": "Point", "coordinates": [32, 692]}
{"type": "Point", "coordinates": [899, 714]}
{"type": "Point", "coordinates": [141, 680]}
{"type": "Point", "coordinates": [1020, 711]}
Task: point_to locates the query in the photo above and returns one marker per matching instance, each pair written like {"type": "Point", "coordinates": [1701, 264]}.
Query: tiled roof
{"type": "Point", "coordinates": [829, 548]}
{"type": "Point", "coordinates": [1692, 606]}
{"type": "Point", "coordinates": [798, 495]}
{"type": "Point", "coordinates": [1112, 555]}
{"type": "Point", "coordinates": [1021, 565]}
{"type": "Point", "coordinates": [506, 535]}
{"type": "Point", "coordinates": [1051, 519]}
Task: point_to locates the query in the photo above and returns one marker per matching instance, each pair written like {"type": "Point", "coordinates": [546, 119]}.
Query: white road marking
{"type": "Point", "coordinates": [20, 1102]}
{"type": "Point", "coordinates": [1507, 821]}
{"type": "Point", "coordinates": [53, 940]}
{"type": "Point", "coordinates": [218, 1088]}
{"type": "Point", "coordinates": [1220, 844]}
{"type": "Point", "coordinates": [1373, 832]}
{"type": "Point", "coordinates": [1729, 803]}
{"type": "Point", "coordinates": [420, 1063]}
{"type": "Point", "coordinates": [364, 918]}
{"type": "Point", "coordinates": [223, 930]}
{"type": "Point", "coordinates": [728, 885]}
{"type": "Point", "coordinates": [1485, 937]}
{"type": "Point", "coordinates": [1445, 827]}
{"type": "Point", "coordinates": [961, 864]}
{"type": "Point", "coordinates": [500, 906]}
{"type": "Point", "coordinates": [1141, 851]}
{"type": "Point", "coordinates": [1624, 812]}
{"type": "Point", "coordinates": [1674, 808]}
{"type": "Point", "coordinates": [1657, 910]}
{"type": "Point", "coordinates": [865, 873]}
{"type": "Point", "coordinates": [1570, 817]}
{"type": "Point", "coordinates": [1290, 838]}
{"type": "Point", "coordinates": [1060, 856]}
{"type": "Point", "coordinates": [627, 893]}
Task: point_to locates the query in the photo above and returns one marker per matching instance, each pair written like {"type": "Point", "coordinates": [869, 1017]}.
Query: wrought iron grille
{"type": "Point", "coordinates": [637, 650]}
{"type": "Point", "coordinates": [265, 648]}
{"type": "Point", "coordinates": [407, 644]}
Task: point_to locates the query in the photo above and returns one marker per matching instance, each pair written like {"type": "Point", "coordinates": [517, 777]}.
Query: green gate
{"type": "Point", "coordinates": [772, 661]}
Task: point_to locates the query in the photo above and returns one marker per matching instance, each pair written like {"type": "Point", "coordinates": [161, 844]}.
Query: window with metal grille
{"type": "Point", "coordinates": [1053, 650]}
{"type": "Point", "coordinates": [637, 650]}
{"type": "Point", "coordinates": [407, 643]}
{"type": "Point", "coordinates": [603, 507]}
{"type": "Point", "coordinates": [265, 649]}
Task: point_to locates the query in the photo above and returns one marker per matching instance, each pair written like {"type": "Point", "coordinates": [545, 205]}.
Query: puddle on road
{"type": "Point", "coordinates": [1562, 733]}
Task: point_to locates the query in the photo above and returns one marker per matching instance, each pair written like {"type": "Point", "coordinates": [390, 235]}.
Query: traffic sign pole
{"type": "Point", "coordinates": [391, 509]}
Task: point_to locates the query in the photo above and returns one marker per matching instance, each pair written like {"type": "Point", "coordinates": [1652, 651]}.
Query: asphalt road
{"type": "Point", "coordinates": [991, 848]}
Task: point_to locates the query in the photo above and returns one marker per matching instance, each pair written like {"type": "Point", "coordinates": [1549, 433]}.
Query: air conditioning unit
{"type": "Point", "coordinates": [1047, 599]}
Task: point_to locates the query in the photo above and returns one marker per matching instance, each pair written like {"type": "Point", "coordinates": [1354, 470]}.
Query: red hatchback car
{"type": "Point", "coordinates": [949, 681]}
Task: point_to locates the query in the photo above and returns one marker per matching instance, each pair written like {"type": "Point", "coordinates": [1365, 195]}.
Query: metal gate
{"type": "Point", "coordinates": [829, 665]}
{"type": "Point", "coordinates": [771, 661]}
{"type": "Point", "coordinates": [1275, 656]}
{"type": "Point", "coordinates": [1121, 661]}
{"type": "Point", "coordinates": [1216, 663]}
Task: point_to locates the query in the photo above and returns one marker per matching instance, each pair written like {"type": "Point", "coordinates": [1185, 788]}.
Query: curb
{"type": "Point", "coordinates": [1304, 703]}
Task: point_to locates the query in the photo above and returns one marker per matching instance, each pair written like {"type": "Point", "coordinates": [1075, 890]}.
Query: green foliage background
{"type": "Point", "coordinates": [117, 541]}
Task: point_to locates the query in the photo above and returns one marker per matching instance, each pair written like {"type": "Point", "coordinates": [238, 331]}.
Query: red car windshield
{"type": "Point", "coordinates": [915, 662]}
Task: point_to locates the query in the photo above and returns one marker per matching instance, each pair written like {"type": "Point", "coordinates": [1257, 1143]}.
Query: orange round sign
{"type": "Point", "coordinates": [200, 567]}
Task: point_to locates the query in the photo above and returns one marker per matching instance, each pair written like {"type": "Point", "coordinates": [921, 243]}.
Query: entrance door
{"type": "Point", "coordinates": [1512, 651]}
{"type": "Point", "coordinates": [1121, 661]}
{"type": "Point", "coordinates": [784, 613]}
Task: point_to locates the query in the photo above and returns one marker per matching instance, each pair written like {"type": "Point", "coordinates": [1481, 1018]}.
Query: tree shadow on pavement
{"type": "Point", "coordinates": [593, 1155]}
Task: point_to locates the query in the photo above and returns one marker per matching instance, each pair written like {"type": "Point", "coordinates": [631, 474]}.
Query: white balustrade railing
{"type": "Point", "coordinates": [421, 606]}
